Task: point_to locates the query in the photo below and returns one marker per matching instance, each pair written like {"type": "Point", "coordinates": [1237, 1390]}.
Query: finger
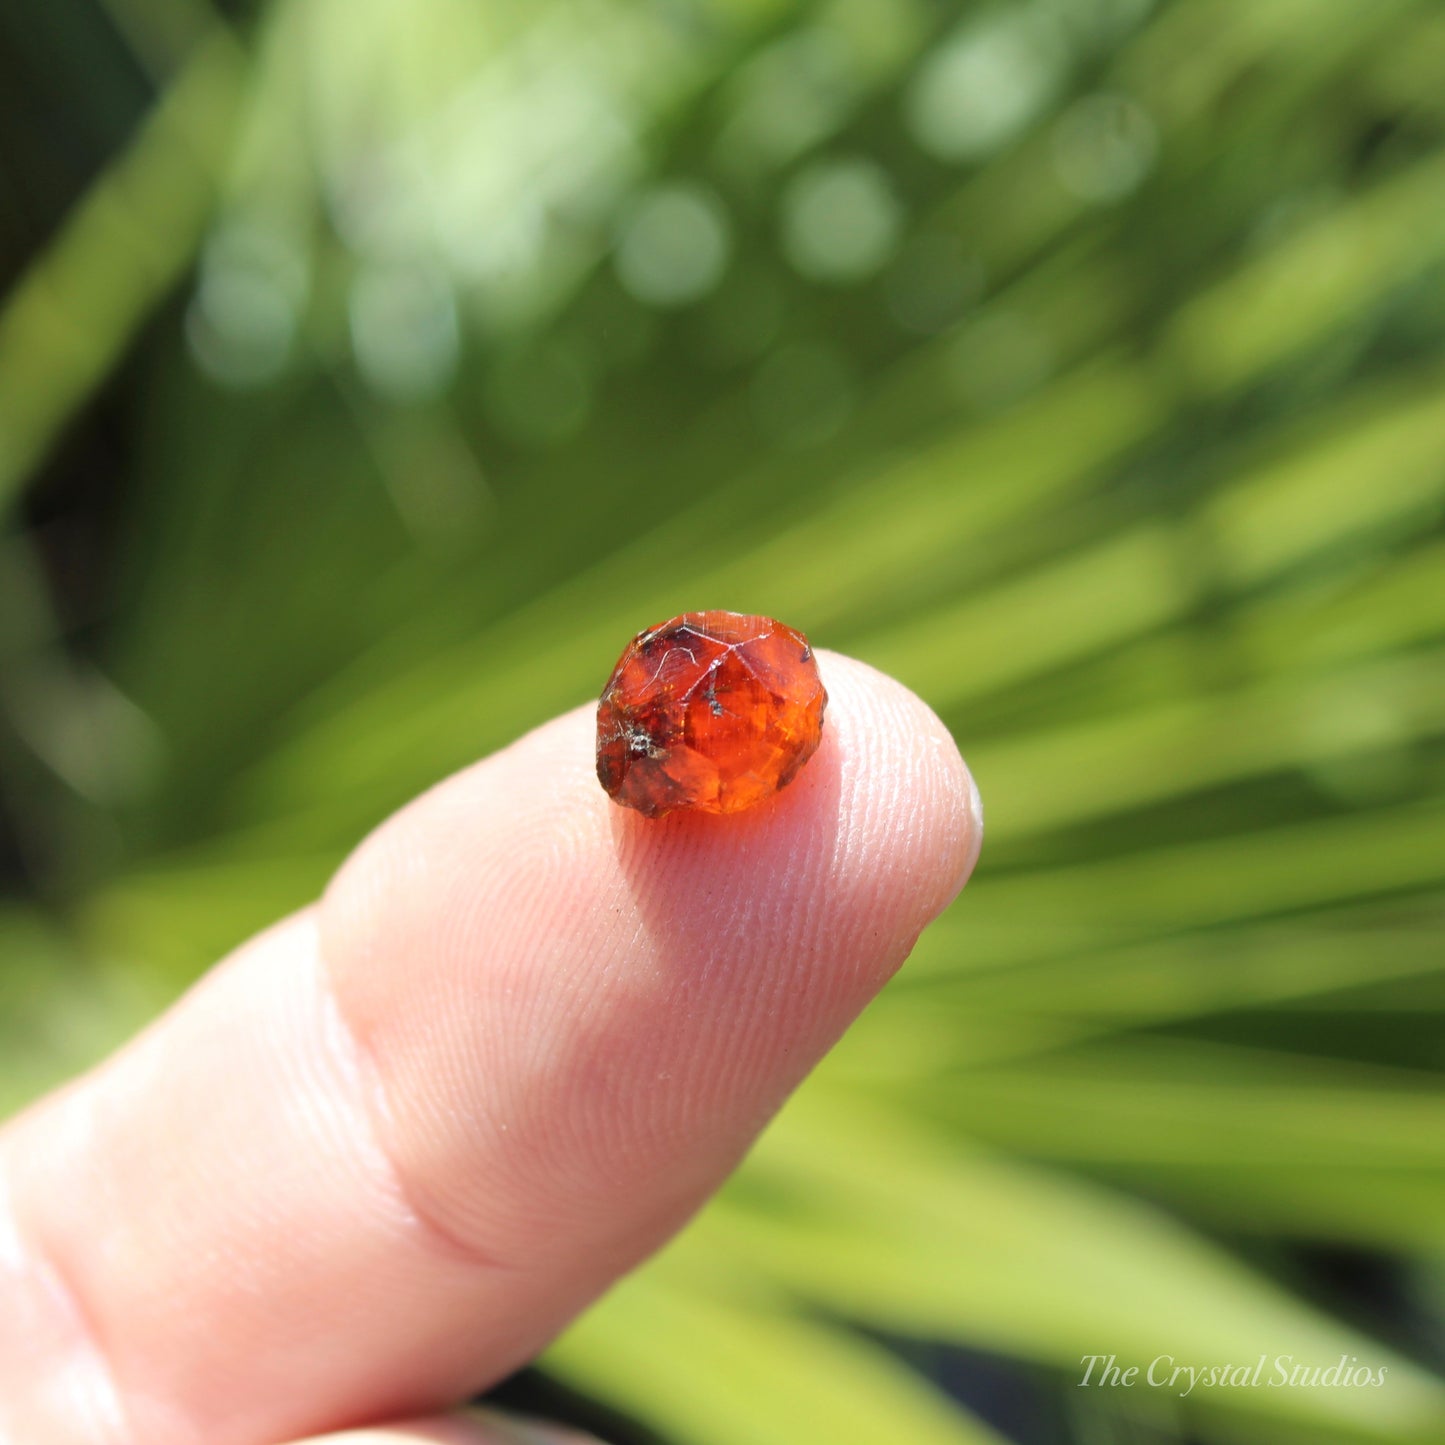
{"type": "Point", "coordinates": [386, 1150]}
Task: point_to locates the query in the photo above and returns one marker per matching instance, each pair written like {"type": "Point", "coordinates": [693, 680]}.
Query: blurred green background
{"type": "Point", "coordinates": [370, 370]}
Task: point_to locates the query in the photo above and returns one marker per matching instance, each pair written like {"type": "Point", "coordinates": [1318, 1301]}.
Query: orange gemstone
{"type": "Point", "coordinates": [713, 711]}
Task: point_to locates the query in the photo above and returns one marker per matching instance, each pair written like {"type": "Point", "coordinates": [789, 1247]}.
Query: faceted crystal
{"type": "Point", "coordinates": [713, 711]}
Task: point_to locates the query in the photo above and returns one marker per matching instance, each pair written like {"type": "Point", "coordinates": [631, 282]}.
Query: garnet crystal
{"type": "Point", "coordinates": [713, 711]}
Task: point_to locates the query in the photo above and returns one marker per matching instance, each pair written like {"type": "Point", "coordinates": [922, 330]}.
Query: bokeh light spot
{"type": "Point", "coordinates": [984, 84]}
{"type": "Point", "coordinates": [674, 245]}
{"type": "Point", "coordinates": [840, 220]}
{"type": "Point", "coordinates": [1104, 146]}
{"type": "Point", "coordinates": [404, 330]}
{"type": "Point", "coordinates": [791, 96]}
{"type": "Point", "coordinates": [243, 318]}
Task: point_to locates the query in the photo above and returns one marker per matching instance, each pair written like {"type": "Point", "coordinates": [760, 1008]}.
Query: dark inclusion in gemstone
{"type": "Point", "coordinates": [713, 711]}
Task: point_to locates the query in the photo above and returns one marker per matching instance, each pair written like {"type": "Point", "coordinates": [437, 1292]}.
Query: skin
{"type": "Point", "coordinates": [383, 1152]}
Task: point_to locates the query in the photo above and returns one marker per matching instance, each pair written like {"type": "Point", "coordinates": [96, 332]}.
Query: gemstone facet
{"type": "Point", "coordinates": [712, 711]}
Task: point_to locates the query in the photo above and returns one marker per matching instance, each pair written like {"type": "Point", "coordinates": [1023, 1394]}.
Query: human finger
{"type": "Point", "coordinates": [382, 1153]}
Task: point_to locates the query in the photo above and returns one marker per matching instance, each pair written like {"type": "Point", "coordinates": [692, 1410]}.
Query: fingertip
{"type": "Point", "coordinates": [789, 917]}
